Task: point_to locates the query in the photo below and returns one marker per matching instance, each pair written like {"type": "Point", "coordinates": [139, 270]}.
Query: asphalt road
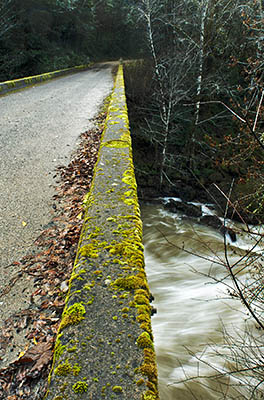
{"type": "Point", "coordinates": [39, 129]}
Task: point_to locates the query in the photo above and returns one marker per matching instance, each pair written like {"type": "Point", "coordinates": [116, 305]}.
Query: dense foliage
{"type": "Point", "coordinates": [198, 135]}
{"type": "Point", "coordinates": [37, 36]}
{"type": "Point", "coordinates": [195, 93]}
{"type": "Point", "coordinates": [197, 98]}
{"type": "Point", "coordinates": [201, 111]}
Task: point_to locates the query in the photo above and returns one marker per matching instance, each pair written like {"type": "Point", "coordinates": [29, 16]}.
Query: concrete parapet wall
{"type": "Point", "coordinates": [16, 84]}
{"type": "Point", "coordinates": [104, 348]}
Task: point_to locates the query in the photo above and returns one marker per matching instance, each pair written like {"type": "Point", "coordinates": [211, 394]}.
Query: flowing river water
{"type": "Point", "coordinates": [193, 311]}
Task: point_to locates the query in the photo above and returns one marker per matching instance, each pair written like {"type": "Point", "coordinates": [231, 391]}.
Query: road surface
{"type": "Point", "coordinates": [39, 130]}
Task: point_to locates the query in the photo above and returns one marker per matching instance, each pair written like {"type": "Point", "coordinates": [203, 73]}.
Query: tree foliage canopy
{"type": "Point", "coordinates": [41, 35]}
{"type": "Point", "coordinates": [204, 107]}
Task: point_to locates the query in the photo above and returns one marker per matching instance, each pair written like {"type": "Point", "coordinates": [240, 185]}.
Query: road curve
{"type": "Point", "coordinates": [39, 129]}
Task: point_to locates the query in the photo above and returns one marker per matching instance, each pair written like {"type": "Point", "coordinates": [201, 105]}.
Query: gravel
{"type": "Point", "coordinates": [39, 130]}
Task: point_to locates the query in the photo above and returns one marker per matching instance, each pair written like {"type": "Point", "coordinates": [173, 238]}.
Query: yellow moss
{"type": "Point", "coordinates": [63, 369]}
{"type": "Point", "coordinates": [146, 326]}
{"type": "Point", "coordinates": [140, 291]}
{"type": "Point", "coordinates": [129, 249]}
{"type": "Point", "coordinates": [89, 250]}
{"type": "Point", "coordinates": [151, 386]}
{"type": "Point", "coordinates": [143, 309]}
{"type": "Point", "coordinates": [143, 318]}
{"type": "Point", "coordinates": [72, 349]}
{"type": "Point", "coordinates": [130, 282]}
{"type": "Point", "coordinates": [141, 299]}
{"type": "Point", "coordinates": [111, 219]}
{"type": "Point", "coordinates": [149, 367]}
{"type": "Point", "coordinates": [117, 144]}
{"type": "Point", "coordinates": [80, 387]}
{"type": "Point", "coordinates": [76, 369]}
{"type": "Point", "coordinates": [129, 178]}
{"type": "Point", "coordinates": [129, 193]}
{"type": "Point", "coordinates": [144, 341]}
{"type": "Point", "coordinates": [59, 348]}
{"type": "Point", "coordinates": [73, 315]}
{"type": "Point", "coordinates": [129, 202]}
{"type": "Point", "coordinates": [149, 395]}
{"type": "Point", "coordinates": [78, 275]}
{"type": "Point", "coordinates": [117, 389]}
{"type": "Point", "coordinates": [97, 272]}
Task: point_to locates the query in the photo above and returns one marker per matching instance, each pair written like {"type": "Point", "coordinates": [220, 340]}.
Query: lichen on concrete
{"type": "Point", "coordinates": [18, 84]}
{"type": "Point", "coordinates": [106, 330]}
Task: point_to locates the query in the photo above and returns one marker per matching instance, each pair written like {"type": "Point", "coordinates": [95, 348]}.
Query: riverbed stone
{"type": "Point", "coordinates": [211, 220]}
{"type": "Point", "coordinates": [190, 210]}
{"type": "Point", "coordinates": [216, 223]}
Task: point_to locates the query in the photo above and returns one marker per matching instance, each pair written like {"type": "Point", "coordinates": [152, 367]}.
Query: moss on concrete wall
{"type": "Point", "coordinates": [17, 84]}
{"type": "Point", "coordinates": [105, 344]}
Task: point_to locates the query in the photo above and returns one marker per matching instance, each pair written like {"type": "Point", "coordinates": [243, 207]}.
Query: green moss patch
{"type": "Point", "coordinates": [73, 315]}
{"type": "Point", "coordinates": [107, 347]}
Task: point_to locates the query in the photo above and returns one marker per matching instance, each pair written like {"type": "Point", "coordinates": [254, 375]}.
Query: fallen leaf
{"type": "Point", "coordinates": [50, 267]}
{"type": "Point", "coordinates": [40, 354]}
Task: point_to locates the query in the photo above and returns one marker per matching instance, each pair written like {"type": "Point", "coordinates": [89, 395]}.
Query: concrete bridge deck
{"type": "Point", "coordinates": [104, 347]}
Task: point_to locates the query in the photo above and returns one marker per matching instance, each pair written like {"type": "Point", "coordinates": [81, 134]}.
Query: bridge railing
{"type": "Point", "coordinates": [16, 84]}
{"type": "Point", "coordinates": [104, 347]}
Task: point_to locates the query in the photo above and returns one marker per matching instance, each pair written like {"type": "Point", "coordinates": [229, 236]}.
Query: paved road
{"type": "Point", "coordinates": [39, 129]}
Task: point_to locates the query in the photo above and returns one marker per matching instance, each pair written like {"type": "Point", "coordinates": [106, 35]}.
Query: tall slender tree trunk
{"type": "Point", "coordinates": [165, 111]}
{"type": "Point", "coordinates": [204, 9]}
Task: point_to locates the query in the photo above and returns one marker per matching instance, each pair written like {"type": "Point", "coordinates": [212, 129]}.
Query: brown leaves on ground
{"type": "Point", "coordinates": [38, 357]}
{"type": "Point", "coordinates": [49, 266]}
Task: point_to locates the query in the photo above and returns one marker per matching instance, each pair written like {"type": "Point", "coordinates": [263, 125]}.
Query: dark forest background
{"type": "Point", "coordinates": [38, 36]}
{"type": "Point", "coordinates": [194, 84]}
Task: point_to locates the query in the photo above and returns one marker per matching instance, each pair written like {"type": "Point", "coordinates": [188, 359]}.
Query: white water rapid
{"type": "Point", "coordinates": [193, 311]}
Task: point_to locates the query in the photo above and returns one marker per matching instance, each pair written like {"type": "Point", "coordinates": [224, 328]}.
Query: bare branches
{"type": "Point", "coordinates": [241, 376]}
{"type": "Point", "coordinates": [239, 372]}
{"type": "Point", "coordinates": [258, 111]}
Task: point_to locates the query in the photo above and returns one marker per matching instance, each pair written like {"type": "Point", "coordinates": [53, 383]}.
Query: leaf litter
{"type": "Point", "coordinates": [50, 265]}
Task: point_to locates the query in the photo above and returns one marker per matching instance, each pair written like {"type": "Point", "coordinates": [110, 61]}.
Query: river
{"type": "Point", "coordinates": [194, 313]}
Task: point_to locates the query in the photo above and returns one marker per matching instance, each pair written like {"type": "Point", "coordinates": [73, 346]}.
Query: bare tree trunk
{"type": "Point", "coordinates": [165, 111]}
{"type": "Point", "coordinates": [204, 9]}
{"type": "Point", "coordinates": [165, 142]}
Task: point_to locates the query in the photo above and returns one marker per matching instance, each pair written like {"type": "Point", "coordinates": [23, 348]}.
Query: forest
{"type": "Point", "coordinates": [194, 74]}
{"type": "Point", "coordinates": [202, 113]}
{"type": "Point", "coordinates": [38, 36]}
{"type": "Point", "coordinates": [194, 83]}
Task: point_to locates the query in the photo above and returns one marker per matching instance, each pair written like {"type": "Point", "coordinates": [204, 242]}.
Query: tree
{"type": "Point", "coordinates": [225, 90]}
{"type": "Point", "coordinates": [51, 34]}
{"type": "Point", "coordinates": [195, 99]}
{"type": "Point", "coordinates": [173, 59]}
{"type": "Point", "coordinates": [7, 17]}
